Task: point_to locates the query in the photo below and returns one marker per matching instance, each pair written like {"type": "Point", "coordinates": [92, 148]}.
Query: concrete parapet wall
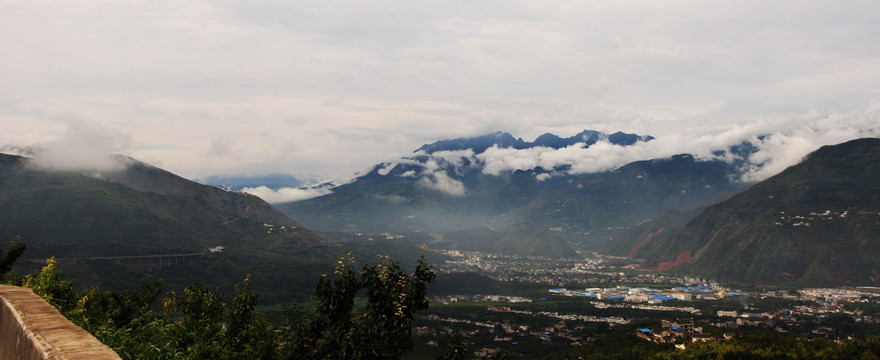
{"type": "Point", "coordinates": [32, 329]}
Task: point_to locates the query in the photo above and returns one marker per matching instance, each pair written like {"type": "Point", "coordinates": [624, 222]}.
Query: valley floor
{"type": "Point", "coordinates": [539, 306]}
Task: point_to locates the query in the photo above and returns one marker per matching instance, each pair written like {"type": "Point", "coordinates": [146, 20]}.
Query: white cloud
{"type": "Point", "coordinates": [331, 87]}
{"type": "Point", "coordinates": [390, 198]}
{"type": "Point", "coordinates": [433, 173]}
{"type": "Point", "coordinates": [786, 147]}
{"type": "Point", "coordinates": [497, 160]}
{"type": "Point", "coordinates": [781, 142]}
{"type": "Point", "coordinates": [777, 152]}
{"type": "Point", "coordinates": [286, 194]}
{"type": "Point", "coordinates": [599, 157]}
{"type": "Point", "coordinates": [441, 182]}
{"type": "Point", "coordinates": [83, 147]}
{"type": "Point", "coordinates": [386, 168]}
{"type": "Point", "coordinates": [455, 158]}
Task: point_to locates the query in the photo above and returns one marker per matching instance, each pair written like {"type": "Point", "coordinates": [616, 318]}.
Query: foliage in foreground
{"type": "Point", "coordinates": [198, 324]}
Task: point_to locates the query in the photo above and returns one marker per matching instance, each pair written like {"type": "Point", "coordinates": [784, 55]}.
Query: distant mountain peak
{"type": "Point", "coordinates": [480, 144]}
{"type": "Point", "coordinates": [237, 183]}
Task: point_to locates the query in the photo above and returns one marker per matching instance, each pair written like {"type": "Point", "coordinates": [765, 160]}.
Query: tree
{"type": "Point", "coordinates": [48, 284]}
{"type": "Point", "coordinates": [381, 331]}
{"type": "Point", "coordinates": [455, 350]}
{"type": "Point", "coordinates": [199, 325]}
{"type": "Point", "coordinates": [247, 331]}
{"type": "Point", "coordinates": [99, 308]}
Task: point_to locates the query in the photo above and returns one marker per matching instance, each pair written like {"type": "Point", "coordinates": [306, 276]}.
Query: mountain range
{"type": "Point", "coordinates": [816, 223]}
{"type": "Point", "coordinates": [237, 183]}
{"type": "Point", "coordinates": [454, 185]}
{"type": "Point", "coordinates": [500, 139]}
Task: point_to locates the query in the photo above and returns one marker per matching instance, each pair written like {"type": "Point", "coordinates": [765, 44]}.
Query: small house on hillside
{"type": "Point", "coordinates": [685, 325]}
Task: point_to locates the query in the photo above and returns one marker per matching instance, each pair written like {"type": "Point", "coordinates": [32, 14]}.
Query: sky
{"type": "Point", "coordinates": [326, 89]}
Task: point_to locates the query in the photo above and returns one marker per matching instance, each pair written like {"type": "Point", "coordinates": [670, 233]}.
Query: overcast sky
{"type": "Point", "coordinates": [331, 87]}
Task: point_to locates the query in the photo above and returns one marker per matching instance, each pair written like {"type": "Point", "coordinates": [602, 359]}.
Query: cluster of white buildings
{"type": "Point", "coordinates": [804, 220]}
{"type": "Point", "coordinates": [480, 298]}
{"type": "Point", "coordinates": [832, 295]}
{"type": "Point", "coordinates": [646, 295]}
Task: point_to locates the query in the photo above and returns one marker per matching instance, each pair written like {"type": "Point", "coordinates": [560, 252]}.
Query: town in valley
{"type": "Point", "coordinates": [554, 302]}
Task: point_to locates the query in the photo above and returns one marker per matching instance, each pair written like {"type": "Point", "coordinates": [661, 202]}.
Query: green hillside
{"type": "Point", "coordinates": [815, 224]}
{"type": "Point", "coordinates": [521, 239]}
{"type": "Point", "coordinates": [591, 209]}
{"type": "Point", "coordinates": [143, 210]}
{"type": "Point", "coordinates": [648, 236]}
{"type": "Point", "coordinates": [139, 211]}
{"type": "Point", "coordinates": [645, 238]}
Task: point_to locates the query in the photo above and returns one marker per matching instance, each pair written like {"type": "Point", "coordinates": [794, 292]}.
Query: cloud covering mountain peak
{"type": "Point", "coordinates": [773, 147]}
{"type": "Point", "coordinates": [757, 150]}
{"type": "Point", "coordinates": [504, 140]}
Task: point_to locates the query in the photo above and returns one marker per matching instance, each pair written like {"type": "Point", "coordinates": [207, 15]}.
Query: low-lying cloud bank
{"type": "Point", "coordinates": [442, 182]}
{"type": "Point", "coordinates": [286, 194]}
{"type": "Point", "coordinates": [779, 143]}
{"type": "Point", "coordinates": [82, 147]}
